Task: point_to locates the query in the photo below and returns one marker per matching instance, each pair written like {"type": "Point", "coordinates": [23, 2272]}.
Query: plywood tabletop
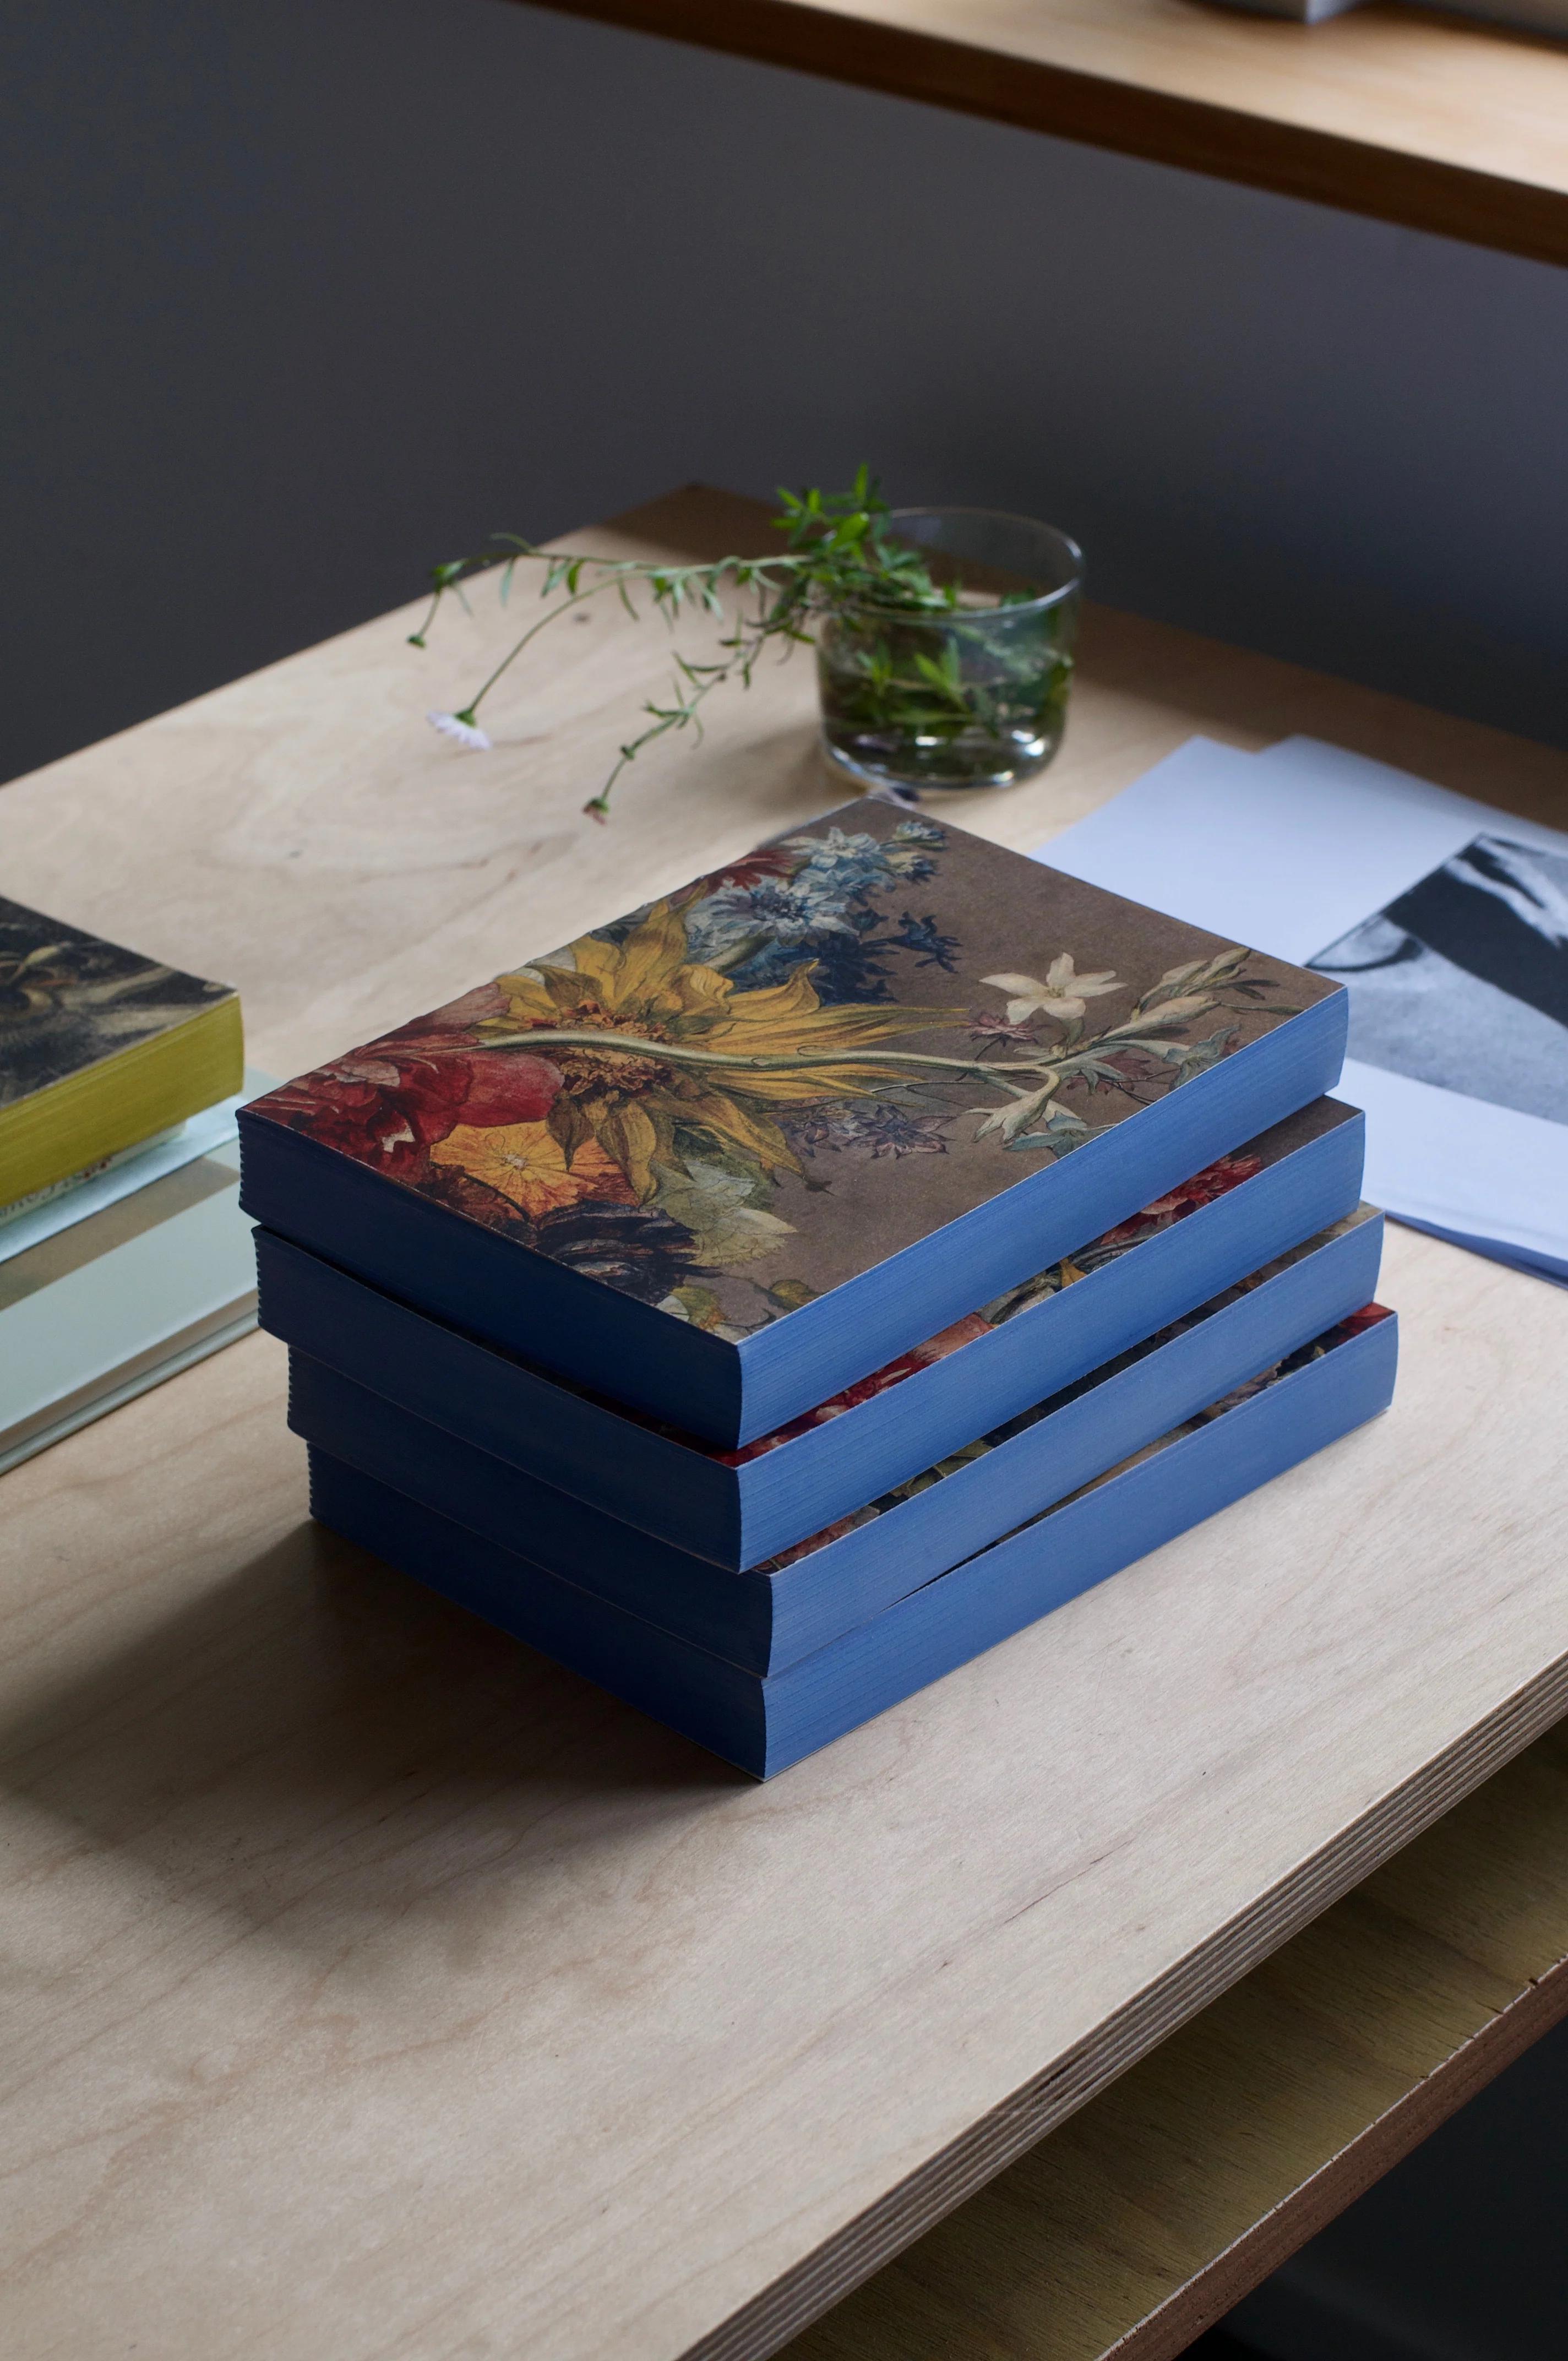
{"type": "Point", "coordinates": [377, 1989]}
{"type": "Point", "coordinates": [1426, 119]}
{"type": "Point", "coordinates": [1164, 2201]}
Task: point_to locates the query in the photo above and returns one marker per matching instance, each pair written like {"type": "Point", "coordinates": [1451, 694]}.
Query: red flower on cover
{"type": "Point", "coordinates": [377, 1109]}
{"type": "Point", "coordinates": [455, 1019]}
{"type": "Point", "coordinates": [986, 1026]}
{"type": "Point", "coordinates": [1368, 1317]}
{"type": "Point", "coordinates": [1227, 1173]}
{"type": "Point", "coordinates": [768, 862]}
{"type": "Point", "coordinates": [386, 1104]}
{"type": "Point", "coordinates": [507, 1086]}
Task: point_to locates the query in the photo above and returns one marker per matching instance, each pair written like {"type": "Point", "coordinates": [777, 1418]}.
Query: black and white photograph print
{"type": "Point", "coordinates": [1463, 980]}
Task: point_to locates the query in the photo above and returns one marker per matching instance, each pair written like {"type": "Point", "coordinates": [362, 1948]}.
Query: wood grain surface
{"type": "Point", "coordinates": [377, 1989]}
{"type": "Point", "coordinates": [1176, 2192]}
{"type": "Point", "coordinates": [1426, 119]}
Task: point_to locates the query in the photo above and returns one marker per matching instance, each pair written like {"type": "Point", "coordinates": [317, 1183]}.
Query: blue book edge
{"type": "Point", "coordinates": [766, 1619]}
{"type": "Point", "coordinates": [742, 1516]}
{"type": "Point", "coordinates": [765, 1725]}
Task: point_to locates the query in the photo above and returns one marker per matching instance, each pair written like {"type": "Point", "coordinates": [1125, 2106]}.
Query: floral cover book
{"type": "Point", "coordinates": [983, 1445]}
{"type": "Point", "coordinates": [751, 1090]}
{"type": "Point", "coordinates": [70, 999]}
{"type": "Point", "coordinates": [1205, 1188]}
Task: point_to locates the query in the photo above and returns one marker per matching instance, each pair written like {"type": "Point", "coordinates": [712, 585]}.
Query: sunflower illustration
{"type": "Point", "coordinates": [688, 1053]}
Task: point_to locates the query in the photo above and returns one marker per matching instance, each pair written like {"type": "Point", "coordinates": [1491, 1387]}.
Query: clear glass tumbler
{"type": "Point", "coordinates": [973, 696]}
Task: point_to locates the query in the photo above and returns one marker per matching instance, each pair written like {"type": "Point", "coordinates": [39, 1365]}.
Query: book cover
{"type": "Point", "coordinates": [100, 1049]}
{"type": "Point", "coordinates": [755, 1089]}
{"type": "Point", "coordinates": [68, 1000]}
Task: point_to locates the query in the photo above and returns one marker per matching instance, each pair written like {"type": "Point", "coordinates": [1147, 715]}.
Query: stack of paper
{"type": "Point", "coordinates": [1446, 919]}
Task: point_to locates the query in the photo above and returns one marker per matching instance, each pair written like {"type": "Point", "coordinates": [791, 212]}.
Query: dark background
{"type": "Point", "coordinates": [298, 298]}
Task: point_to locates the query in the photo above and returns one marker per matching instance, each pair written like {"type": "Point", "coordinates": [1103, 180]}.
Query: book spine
{"type": "Point", "coordinates": [1079, 1546]}
{"type": "Point", "coordinates": [864, 1324]}
{"type": "Point", "coordinates": [494, 1403]}
{"type": "Point", "coordinates": [805, 1484]}
{"type": "Point", "coordinates": [765, 1725]}
{"type": "Point", "coordinates": [705, 1697]}
{"type": "Point", "coordinates": [488, 1285]}
{"type": "Point", "coordinates": [730, 1614]}
{"type": "Point", "coordinates": [879, 1563]}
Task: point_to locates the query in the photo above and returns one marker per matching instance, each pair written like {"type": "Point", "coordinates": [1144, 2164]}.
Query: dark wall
{"type": "Point", "coordinates": [299, 296]}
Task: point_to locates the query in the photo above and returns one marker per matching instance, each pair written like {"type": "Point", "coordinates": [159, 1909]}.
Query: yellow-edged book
{"type": "Point", "coordinates": [100, 1051]}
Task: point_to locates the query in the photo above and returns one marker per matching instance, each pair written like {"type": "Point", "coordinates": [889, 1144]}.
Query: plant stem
{"type": "Point", "coordinates": [533, 632]}
{"type": "Point", "coordinates": [639, 1045]}
{"type": "Point", "coordinates": [841, 556]}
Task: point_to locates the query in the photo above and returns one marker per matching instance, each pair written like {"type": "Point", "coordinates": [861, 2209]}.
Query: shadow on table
{"type": "Point", "coordinates": [319, 1741]}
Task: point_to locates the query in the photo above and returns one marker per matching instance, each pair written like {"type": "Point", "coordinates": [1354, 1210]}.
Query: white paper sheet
{"type": "Point", "coordinates": [1291, 850]}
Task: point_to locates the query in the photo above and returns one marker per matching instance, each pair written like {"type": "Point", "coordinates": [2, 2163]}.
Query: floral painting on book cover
{"type": "Point", "coordinates": [638, 1105]}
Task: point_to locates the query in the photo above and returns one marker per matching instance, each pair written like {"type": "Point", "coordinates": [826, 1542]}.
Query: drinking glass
{"type": "Point", "coordinates": [973, 696]}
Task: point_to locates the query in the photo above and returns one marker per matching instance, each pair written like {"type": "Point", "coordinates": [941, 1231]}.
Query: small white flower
{"type": "Point", "coordinates": [1062, 995]}
{"type": "Point", "coordinates": [467, 733]}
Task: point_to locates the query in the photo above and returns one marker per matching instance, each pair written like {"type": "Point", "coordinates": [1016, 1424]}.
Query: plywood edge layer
{"type": "Point", "coordinates": [925, 2196]}
{"type": "Point", "coordinates": [1227, 143]}
{"type": "Point", "coordinates": [1286, 2228]}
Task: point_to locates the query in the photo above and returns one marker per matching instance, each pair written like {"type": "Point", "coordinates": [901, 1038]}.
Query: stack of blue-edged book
{"type": "Point", "coordinates": [781, 1294]}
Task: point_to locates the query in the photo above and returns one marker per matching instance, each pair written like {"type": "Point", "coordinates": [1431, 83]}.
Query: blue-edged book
{"type": "Point", "coordinates": [767, 1618]}
{"type": "Point", "coordinates": [764, 1723]}
{"type": "Point", "coordinates": [744, 1506]}
{"type": "Point", "coordinates": [722, 1158]}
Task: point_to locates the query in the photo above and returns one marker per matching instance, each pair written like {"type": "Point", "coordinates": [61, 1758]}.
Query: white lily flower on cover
{"type": "Point", "coordinates": [1012, 1119]}
{"type": "Point", "coordinates": [467, 733]}
{"type": "Point", "coordinates": [1063, 993]}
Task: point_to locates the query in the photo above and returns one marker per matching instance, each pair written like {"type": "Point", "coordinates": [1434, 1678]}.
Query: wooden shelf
{"type": "Point", "coordinates": [1426, 120]}
{"type": "Point", "coordinates": [379, 1988]}
{"type": "Point", "coordinates": [1166, 2200]}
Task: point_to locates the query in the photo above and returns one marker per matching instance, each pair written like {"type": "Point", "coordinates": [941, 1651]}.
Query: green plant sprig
{"type": "Point", "coordinates": [839, 552]}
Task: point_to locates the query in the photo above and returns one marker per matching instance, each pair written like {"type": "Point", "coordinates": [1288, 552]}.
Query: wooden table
{"type": "Point", "coordinates": [1437, 122]}
{"type": "Point", "coordinates": [1154, 2209]}
{"type": "Point", "coordinates": [376, 1989]}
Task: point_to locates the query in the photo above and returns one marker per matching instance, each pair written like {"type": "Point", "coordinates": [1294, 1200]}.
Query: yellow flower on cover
{"type": "Point", "coordinates": [628, 1100]}
{"type": "Point", "coordinates": [525, 1162]}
